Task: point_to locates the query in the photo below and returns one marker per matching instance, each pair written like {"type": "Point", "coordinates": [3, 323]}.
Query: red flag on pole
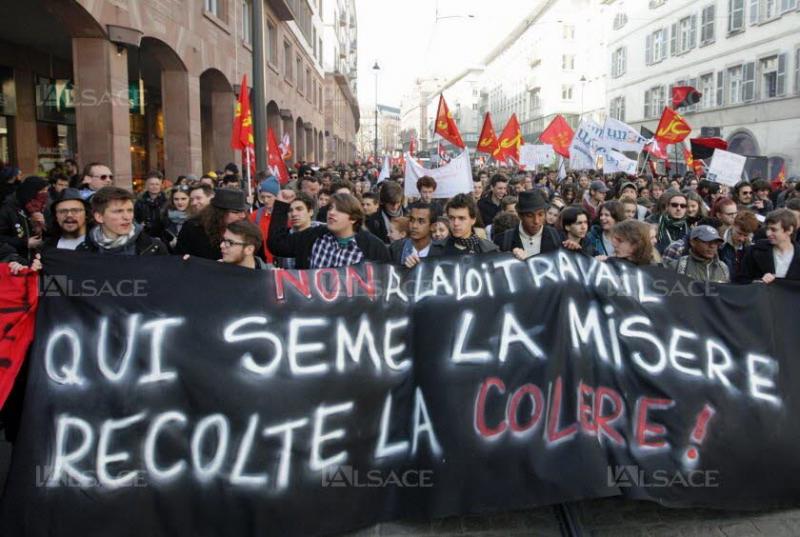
{"type": "Point", "coordinates": [275, 162]}
{"type": "Point", "coordinates": [487, 141]}
{"type": "Point", "coordinates": [695, 164]}
{"type": "Point", "coordinates": [672, 128]}
{"type": "Point", "coordinates": [446, 126]}
{"type": "Point", "coordinates": [510, 141]}
{"type": "Point", "coordinates": [19, 297]}
{"type": "Point", "coordinates": [242, 135]}
{"type": "Point", "coordinates": [558, 134]}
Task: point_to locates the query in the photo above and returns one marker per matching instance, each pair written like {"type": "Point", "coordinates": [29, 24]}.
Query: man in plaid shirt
{"type": "Point", "coordinates": [340, 243]}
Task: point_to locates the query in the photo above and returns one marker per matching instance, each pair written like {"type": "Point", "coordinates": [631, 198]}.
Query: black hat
{"type": "Point", "coordinates": [229, 199]}
{"type": "Point", "coordinates": [28, 188]}
{"type": "Point", "coordinates": [231, 167]}
{"type": "Point", "coordinates": [530, 202]}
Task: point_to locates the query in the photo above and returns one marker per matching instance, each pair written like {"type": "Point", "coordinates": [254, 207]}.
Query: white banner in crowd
{"type": "Point", "coordinates": [614, 162]}
{"type": "Point", "coordinates": [621, 136]}
{"type": "Point", "coordinates": [451, 179]}
{"type": "Point", "coordinates": [581, 152]}
{"type": "Point", "coordinates": [532, 155]}
{"type": "Point", "coordinates": [726, 167]}
{"type": "Point", "coordinates": [386, 170]}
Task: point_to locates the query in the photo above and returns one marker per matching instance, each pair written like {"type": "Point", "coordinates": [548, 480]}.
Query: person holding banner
{"type": "Point", "coordinates": [342, 242]}
{"type": "Point", "coordinates": [462, 213]}
{"type": "Point", "coordinates": [239, 244]}
{"type": "Point", "coordinates": [632, 244]}
{"type": "Point", "coordinates": [532, 237]}
{"type": "Point", "coordinates": [611, 213]}
{"type": "Point", "coordinates": [575, 223]}
{"type": "Point", "coordinates": [702, 260]}
{"type": "Point", "coordinates": [420, 243]}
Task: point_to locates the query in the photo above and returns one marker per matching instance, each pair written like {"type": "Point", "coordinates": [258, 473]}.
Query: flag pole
{"type": "Point", "coordinates": [249, 187]}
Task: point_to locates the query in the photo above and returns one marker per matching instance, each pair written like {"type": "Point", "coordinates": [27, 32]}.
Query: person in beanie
{"type": "Point", "coordinates": [22, 221]}
{"type": "Point", "coordinates": [340, 243]}
{"type": "Point", "coordinates": [702, 262]}
{"type": "Point", "coordinates": [462, 213]}
{"type": "Point", "coordinates": [116, 232]}
{"type": "Point", "coordinates": [200, 236]}
{"type": "Point", "coordinates": [594, 198]}
{"type": "Point", "coordinates": [532, 236]}
{"type": "Point", "coordinates": [70, 220]}
{"type": "Point", "coordinates": [267, 192]}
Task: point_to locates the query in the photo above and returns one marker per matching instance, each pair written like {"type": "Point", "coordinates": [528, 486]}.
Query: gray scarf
{"type": "Point", "coordinates": [110, 244]}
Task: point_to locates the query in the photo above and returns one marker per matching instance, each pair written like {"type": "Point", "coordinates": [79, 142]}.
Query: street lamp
{"type": "Point", "coordinates": [583, 85]}
{"type": "Point", "coordinates": [375, 69]}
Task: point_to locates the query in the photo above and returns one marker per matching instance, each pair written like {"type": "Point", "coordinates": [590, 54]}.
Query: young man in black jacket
{"type": "Point", "coordinates": [532, 237]}
{"type": "Point", "coordinates": [419, 243]}
{"type": "Point", "coordinates": [340, 243]}
{"type": "Point", "coordinates": [777, 256]}
{"type": "Point", "coordinates": [391, 206]}
{"type": "Point", "coordinates": [463, 213]}
{"type": "Point", "coordinates": [116, 232]}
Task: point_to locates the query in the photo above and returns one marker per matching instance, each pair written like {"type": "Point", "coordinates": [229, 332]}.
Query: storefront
{"type": "Point", "coordinates": [56, 136]}
{"type": "Point", "coordinates": [8, 109]}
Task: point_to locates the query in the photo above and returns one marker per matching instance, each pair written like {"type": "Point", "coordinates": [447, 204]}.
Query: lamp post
{"type": "Point", "coordinates": [583, 85]}
{"type": "Point", "coordinates": [375, 69]}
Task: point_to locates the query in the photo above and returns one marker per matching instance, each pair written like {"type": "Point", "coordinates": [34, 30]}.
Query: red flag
{"type": "Point", "coordinates": [685, 96]}
{"type": "Point", "coordinates": [412, 146]}
{"type": "Point", "coordinates": [558, 134]}
{"type": "Point", "coordinates": [695, 164]}
{"type": "Point", "coordinates": [780, 179]}
{"type": "Point", "coordinates": [510, 141]}
{"type": "Point", "coordinates": [275, 163]}
{"type": "Point", "coordinates": [446, 126]}
{"type": "Point", "coordinates": [672, 128]}
{"type": "Point", "coordinates": [704, 147]}
{"type": "Point", "coordinates": [242, 136]}
{"type": "Point", "coordinates": [487, 141]}
{"type": "Point", "coordinates": [19, 296]}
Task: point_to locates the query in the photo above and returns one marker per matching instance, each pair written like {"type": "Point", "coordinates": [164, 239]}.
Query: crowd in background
{"type": "Point", "coordinates": [341, 215]}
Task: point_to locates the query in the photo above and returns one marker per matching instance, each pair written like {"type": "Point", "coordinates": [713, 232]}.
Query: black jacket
{"type": "Point", "coordinates": [15, 227]}
{"type": "Point", "coordinates": [377, 225]}
{"type": "Point", "coordinates": [299, 245]}
{"type": "Point", "coordinates": [147, 211]}
{"type": "Point", "coordinates": [488, 209]}
{"type": "Point", "coordinates": [192, 240]}
{"type": "Point", "coordinates": [758, 260]}
{"type": "Point", "coordinates": [396, 250]}
{"type": "Point", "coordinates": [510, 239]}
{"type": "Point", "coordinates": [143, 244]}
{"type": "Point", "coordinates": [485, 246]}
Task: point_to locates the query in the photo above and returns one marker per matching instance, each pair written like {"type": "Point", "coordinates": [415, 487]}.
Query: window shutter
{"type": "Point", "coordinates": [754, 11]}
{"type": "Point", "coordinates": [693, 32]}
{"type": "Point", "coordinates": [748, 81]}
{"type": "Point", "coordinates": [673, 42]}
{"type": "Point", "coordinates": [648, 49]}
{"type": "Point", "coordinates": [663, 39]}
{"type": "Point", "coordinates": [720, 88]}
{"type": "Point", "coordinates": [730, 14]}
{"type": "Point", "coordinates": [781, 81]}
{"type": "Point", "coordinates": [624, 66]}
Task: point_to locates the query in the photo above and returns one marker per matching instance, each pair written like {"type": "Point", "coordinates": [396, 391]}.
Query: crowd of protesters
{"type": "Point", "coordinates": [340, 215]}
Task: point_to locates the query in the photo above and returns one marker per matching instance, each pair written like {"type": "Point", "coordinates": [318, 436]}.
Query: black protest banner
{"type": "Point", "coordinates": [189, 398]}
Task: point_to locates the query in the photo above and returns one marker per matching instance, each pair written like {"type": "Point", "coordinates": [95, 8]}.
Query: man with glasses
{"type": "Point", "coordinates": [743, 195]}
{"type": "Point", "coordinates": [239, 244]}
{"type": "Point", "coordinates": [672, 225]}
{"type": "Point", "coordinates": [95, 177]}
{"type": "Point", "coordinates": [68, 229]}
{"type": "Point", "coordinates": [726, 212]}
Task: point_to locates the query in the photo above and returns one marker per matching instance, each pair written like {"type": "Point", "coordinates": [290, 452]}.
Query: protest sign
{"type": "Point", "coordinates": [621, 136]}
{"type": "Point", "coordinates": [370, 393]}
{"type": "Point", "coordinates": [726, 167]}
{"type": "Point", "coordinates": [581, 151]}
{"type": "Point", "coordinates": [452, 178]}
{"type": "Point", "coordinates": [532, 155]}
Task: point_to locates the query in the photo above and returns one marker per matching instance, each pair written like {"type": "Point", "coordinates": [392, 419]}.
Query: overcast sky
{"type": "Point", "coordinates": [407, 44]}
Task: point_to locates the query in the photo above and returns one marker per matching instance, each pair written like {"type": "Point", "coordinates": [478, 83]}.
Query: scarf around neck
{"type": "Point", "coordinates": [105, 243]}
{"type": "Point", "coordinates": [472, 243]}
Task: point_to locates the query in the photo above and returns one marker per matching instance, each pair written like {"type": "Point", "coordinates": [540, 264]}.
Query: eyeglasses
{"type": "Point", "coordinates": [228, 243]}
{"type": "Point", "coordinates": [729, 214]}
{"type": "Point", "coordinates": [746, 193]}
{"type": "Point", "coordinates": [677, 205]}
{"type": "Point", "coordinates": [73, 211]}
{"type": "Point", "coordinates": [104, 177]}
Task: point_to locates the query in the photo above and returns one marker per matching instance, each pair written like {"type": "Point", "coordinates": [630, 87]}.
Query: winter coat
{"type": "Point", "coordinates": [758, 260]}
{"type": "Point", "coordinates": [141, 244]}
{"type": "Point", "coordinates": [713, 270]}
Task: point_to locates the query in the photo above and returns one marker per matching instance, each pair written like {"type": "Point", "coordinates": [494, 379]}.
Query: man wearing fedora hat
{"type": "Point", "coordinates": [200, 236]}
{"type": "Point", "coordinates": [69, 220]}
{"type": "Point", "coordinates": [532, 236]}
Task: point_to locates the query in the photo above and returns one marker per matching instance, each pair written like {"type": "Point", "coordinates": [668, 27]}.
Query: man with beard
{"type": "Point", "coordinates": [116, 232]}
{"type": "Point", "coordinates": [239, 244]}
{"type": "Point", "coordinates": [200, 196]}
{"type": "Point", "coordinates": [68, 229]}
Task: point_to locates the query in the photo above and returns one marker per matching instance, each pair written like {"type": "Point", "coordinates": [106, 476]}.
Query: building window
{"type": "Point", "coordinates": [655, 49]}
{"type": "Point", "coordinates": [567, 62]}
{"type": "Point", "coordinates": [707, 25]}
{"type": "Point", "coordinates": [620, 20]}
{"type": "Point", "coordinates": [213, 7]}
{"type": "Point", "coordinates": [617, 108]}
{"type": "Point", "coordinates": [735, 16]}
{"type": "Point", "coordinates": [654, 102]}
{"type": "Point", "coordinates": [656, 3]}
{"type": "Point", "coordinates": [566, 93]}
{"type": "Point", "coordinates": [788, 5]}
{"type": "Point", "coordinates": [618, 60]}
{"type": "Point", "coordinates": [299, 71]}
{"type": "Point", "coordinates": [797, 71]}
{"type": "Point", "coordinates": [287, 61]}
{"type": "Point", "coordinates": [535, 102]}
{"type": "Point", "coordinates": [309, 82]}
{"type": "Point", "coordinates": [707, 89]}
{"type": "Point", "coordinates": [684, 35]}
{"type": "Point", "coordinates": [569, 32]}
{"type": "Point", "coordinates": [319, 49]}
{"type": "Point", "coordinates": [773, 76]}
{"type": "Point", "coordinates": [720, 88]}
{"type": "Point", "coordinates": [272, 40]}
{"type": "Point", "coordinates": [247, 21]}
{"type": "Point", "coordinates": [735, 85]}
